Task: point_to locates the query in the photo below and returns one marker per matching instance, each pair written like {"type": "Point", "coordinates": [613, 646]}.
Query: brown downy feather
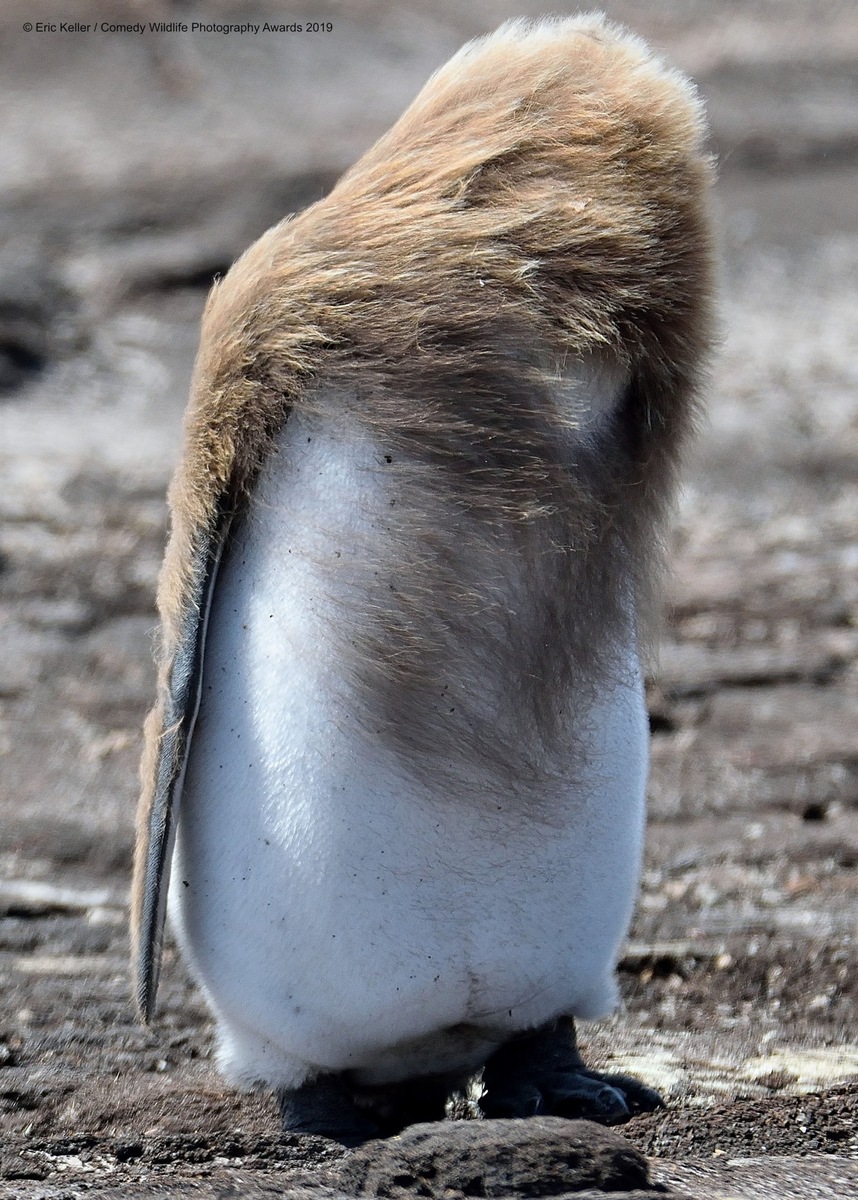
{"type": "Point", "coordinates": [542, 203]}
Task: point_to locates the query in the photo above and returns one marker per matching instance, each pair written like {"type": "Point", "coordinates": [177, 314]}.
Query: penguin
{"type": "Point", "coordinates": [395, 775]}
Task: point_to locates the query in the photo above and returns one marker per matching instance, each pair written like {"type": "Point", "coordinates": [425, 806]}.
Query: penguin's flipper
{"type": "Point", "coordinates": [169, 730]}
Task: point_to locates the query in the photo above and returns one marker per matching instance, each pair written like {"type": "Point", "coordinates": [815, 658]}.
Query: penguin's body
{"type": "Point", "coordinates": [401, 741]}
{"type": "Point", "coordinates": [398, 927]}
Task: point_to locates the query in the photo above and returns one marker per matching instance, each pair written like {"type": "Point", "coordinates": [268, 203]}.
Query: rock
{"type": "Point", "coordinates": [543, 1156]}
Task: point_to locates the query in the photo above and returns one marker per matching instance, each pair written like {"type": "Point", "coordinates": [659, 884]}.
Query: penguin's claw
{"type": "Point", "coordinates": [566, 1094]}
{"type": "Point", "coordinates": [521, 1100]}
{"type": "Point", "coordinates": [580, 1094]}
{"type": "Point", "coordinates": [637, 1096]}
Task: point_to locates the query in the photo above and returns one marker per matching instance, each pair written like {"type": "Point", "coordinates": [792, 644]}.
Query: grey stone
{"type": "Point", "coordinates": [543, 1156]}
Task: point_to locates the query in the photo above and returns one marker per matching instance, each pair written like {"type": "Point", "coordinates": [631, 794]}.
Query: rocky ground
{"type": "Point", "coordinates": [136, 167]}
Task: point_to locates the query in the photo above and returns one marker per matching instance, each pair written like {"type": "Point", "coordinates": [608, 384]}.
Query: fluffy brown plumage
{"type": "Point", "coordinates": [542, 203]}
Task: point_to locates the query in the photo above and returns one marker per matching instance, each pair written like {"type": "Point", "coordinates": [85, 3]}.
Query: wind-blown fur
{"type": "Point", "coordinates": [538, 212]}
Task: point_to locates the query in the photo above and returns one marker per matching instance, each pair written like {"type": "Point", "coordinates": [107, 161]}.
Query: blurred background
{"type": "Point", "coordinates": [132, 169]}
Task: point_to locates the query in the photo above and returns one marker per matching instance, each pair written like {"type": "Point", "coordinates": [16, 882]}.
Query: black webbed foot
{"type": "Point", "coordinates": [543, 1073]}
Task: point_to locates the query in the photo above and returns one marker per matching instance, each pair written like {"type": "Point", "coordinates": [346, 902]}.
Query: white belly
{"type": "Point", "coordinates": [339, 910]}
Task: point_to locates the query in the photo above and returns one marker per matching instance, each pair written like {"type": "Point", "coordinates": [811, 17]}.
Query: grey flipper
{"type": "Point", "coordinates": [175, 727]}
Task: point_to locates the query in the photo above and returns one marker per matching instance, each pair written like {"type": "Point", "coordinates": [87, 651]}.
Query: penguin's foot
{"type": "Point", "coordinates": [335, 1107]}
{"type": "Point", "coordinates": [410, 1102]}
{"type": "Point", "coordinates": [326, 1107]}
{"type": "Point", "coordinates": [543, 1073]}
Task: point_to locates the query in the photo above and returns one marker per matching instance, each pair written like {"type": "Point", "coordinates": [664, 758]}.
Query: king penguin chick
{"type": "Point", "coordinates": [398, 760]}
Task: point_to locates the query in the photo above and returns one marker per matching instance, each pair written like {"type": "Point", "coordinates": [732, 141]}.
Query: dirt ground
{"type": "Point", "coordinates": [134, 168]}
